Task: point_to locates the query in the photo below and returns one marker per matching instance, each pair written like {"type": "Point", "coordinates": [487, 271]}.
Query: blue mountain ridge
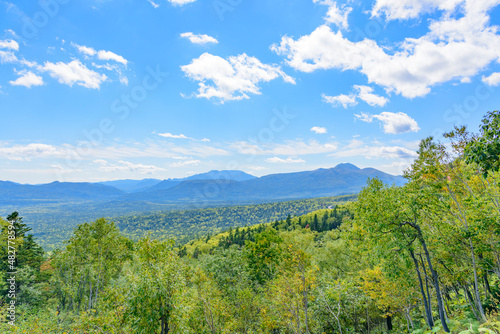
{"type": "Point", "coordinates": [214, 186]}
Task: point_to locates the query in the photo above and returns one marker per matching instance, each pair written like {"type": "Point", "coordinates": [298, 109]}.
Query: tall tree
{"type": "Point", "coordinates": [157, 289]}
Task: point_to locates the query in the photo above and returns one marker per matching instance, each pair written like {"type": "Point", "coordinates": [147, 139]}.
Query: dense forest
{"type": "Point", "coordinates": [191, 224]}
{"type": "Point", "coordinates": [53, 225]}
{"type": "Point", "coordinates": [418, 258]}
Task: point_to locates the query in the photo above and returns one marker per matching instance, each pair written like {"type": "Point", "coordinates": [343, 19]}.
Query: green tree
{"type": "Point", "coordinates": [484, 150]}
{"type": "Point", "coordinates": [157, 289]}
{"type": "Point", "coordinates": [264, 255]}
{"type": "Point", "coordinates": [92, 257]}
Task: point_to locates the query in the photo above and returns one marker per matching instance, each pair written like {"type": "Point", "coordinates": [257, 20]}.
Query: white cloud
{"type": "Point", "coordinates": [342, 99]}
{"type": "Point", "coordinates": [27, 79]}
{"type": "Point", "coordinates": [365, 93]}
{"type": "Point", "coordinates": [101, 54]}
{"type": "Point", "coordinates": [74, 72]}
{"type": "Point", "coordinates": [117, 68]}
{"type": "Point", "coordinates": [364, 117]}
{"type": "Point", "coordinates": [318, 129]}
{"type": "Point", "coordinates": [231, 79]}
{"type": "Point", "coordinates": [377, 152]}
{"type": "Point", "coordinates": [86, 151]}
{"type": "Point", "coordinates": [7, 57]}
{"type": "Point", "coordinates": [288, 148]}
{"type": "Point", "coordinates": [284, 161]}
{"type": "Point", "coordinates": [393, 123]}
{"type": "Point", "coordinates": [30, 151]}
{"type": "Point", "coordinates": [126, 166]}
{"type": "Point", "coordinates": [108, 55]}
{"type": "Point", "coordinates": [169, 135]}
{"type": "Point", "coordinates": [185, 163]}
{"type": "Point", "coordinates": [86, 50]}
{"type": "Point", "coordinates": [455, 47]}
{"type": "Point", "coordinates": [205, 140]}
{"type": "Point", "coordinates": [409, 9]}
{"type": "Point", "coordinates": [336, 15]}
{"type": "Point", "coordinates": [199, 39]}
{"type": "Point", "coordinates": [492, 80]}
{"type": "Point", "coordinates": [9, 44]}
{"type": "Point", "coordinates": [154, 4]}
{"type": "Point", "coordinates": [257, 168]}
{"type": "Point", "coordinates": [180, 2]}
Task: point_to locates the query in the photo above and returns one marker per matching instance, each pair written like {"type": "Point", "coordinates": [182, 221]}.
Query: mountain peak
{"type": "Point", "coordinates": [346, 167]}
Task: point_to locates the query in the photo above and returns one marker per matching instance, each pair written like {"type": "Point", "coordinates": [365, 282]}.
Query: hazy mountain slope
{"type": "Point", "coordinates": [12, 193]}
{"type": "Point", "coordinates": [221, 187]}
{"type": "Point", "coordinates": [342, 179]}
{"type": "Point", "coordinates": [132, 185]}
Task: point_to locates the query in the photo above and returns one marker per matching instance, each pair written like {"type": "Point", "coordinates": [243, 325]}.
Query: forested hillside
{"type": "Point", "coordinates": [419, 258]}
{"type": "Point", "coordinates": [188, 224]}
{"type": "Point", "coordinates": [56, 225]}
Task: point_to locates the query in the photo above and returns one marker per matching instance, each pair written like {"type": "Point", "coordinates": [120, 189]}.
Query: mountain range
{"type": "Point", "coordinates": [230, 186]}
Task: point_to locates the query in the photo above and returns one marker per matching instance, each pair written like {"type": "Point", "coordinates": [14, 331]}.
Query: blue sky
{"type": "Point", "coordinates": [105, 89]}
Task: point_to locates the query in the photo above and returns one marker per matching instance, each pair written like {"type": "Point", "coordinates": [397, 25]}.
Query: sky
{"type": "Point", "coordinates": [101, 90]}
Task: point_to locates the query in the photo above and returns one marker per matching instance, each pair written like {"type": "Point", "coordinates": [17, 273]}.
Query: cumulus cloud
{"type": "Point", "coordinates": [364, 93]}
{"type": "Point", "coordinates": [108, 55]}
{"type": "Point", "coordinates": [8, 57]}
{"type": "Point", "coordinates": [74, 72]}
{"type": "Point", "coordinates": [335, 15]}
{"type": "Point", "coordinates": [455, 47]}
{"type": "Point", "coordinates": [9, 44]}
{"type": "Point", "coordinates": [318, 129]}
{"type": "Point", "coordinates": [86, 50]}
{"type": "Point", "coordinates": [492, 80]}
{"type": "Point", "coordinates": [284, 161]}
{"type": "Point", "coordinates": [288, 148]}
{"type": "Point", "coordinates": [101, 54]}
{"type": "Point", "coordinates": [231, 79]}
{"type": "Point", "coordinates": [410, 9]}
{"type": "Point", "coordinates": [169, 135]}
{"type": "Point", "coordinates": [340, 100]}
{"type": "Point", "coordinates": [185, 163]}
{"type": "Point", "coordinates": [30, 151]}
{"type": "Point", "coordinates": [180, 2]}
{"type": "Point", "coordinates": [27, 79]}
{"type": "Point", "coordinates": [393, 123]}
{"type": "Point", "coordinates": [131, 150]}
{"type": "Point", "coordinates": [199, 39]}
{"type": "Point", "coordinates": [376, 152]}
{"type": "Point", "coordinates": [126, 166]}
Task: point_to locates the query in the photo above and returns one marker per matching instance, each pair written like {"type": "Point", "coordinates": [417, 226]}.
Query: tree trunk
{"type": "Point", "coordinates": [428, 311]}
{"type": "Point", "coordinates": [429, 300]}
{"type": "Point", "coordinates": [305, 300]}
{"type": "Point", "coordinates": [436, 280]}
{"type": "Point", "coordinates": [468, 296]}
{"type": "Point", "coordinates": [476, 284]}
{"type": "Point", "coordinates": [388, 320]}
{"type": "Point", "coordinates": [486, 284]}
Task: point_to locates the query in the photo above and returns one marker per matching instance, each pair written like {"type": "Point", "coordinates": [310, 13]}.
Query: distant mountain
{"type": "Point", "coordinates": [165, 184]}
{"type": "Point", "coordinates": [340, 180]}
{"type": "Point", "coordinates": [214, 187]}
{"type": "Point", "coordinates": [130, 186]}
{"type": "Point", "coordinates": [55, 192]}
